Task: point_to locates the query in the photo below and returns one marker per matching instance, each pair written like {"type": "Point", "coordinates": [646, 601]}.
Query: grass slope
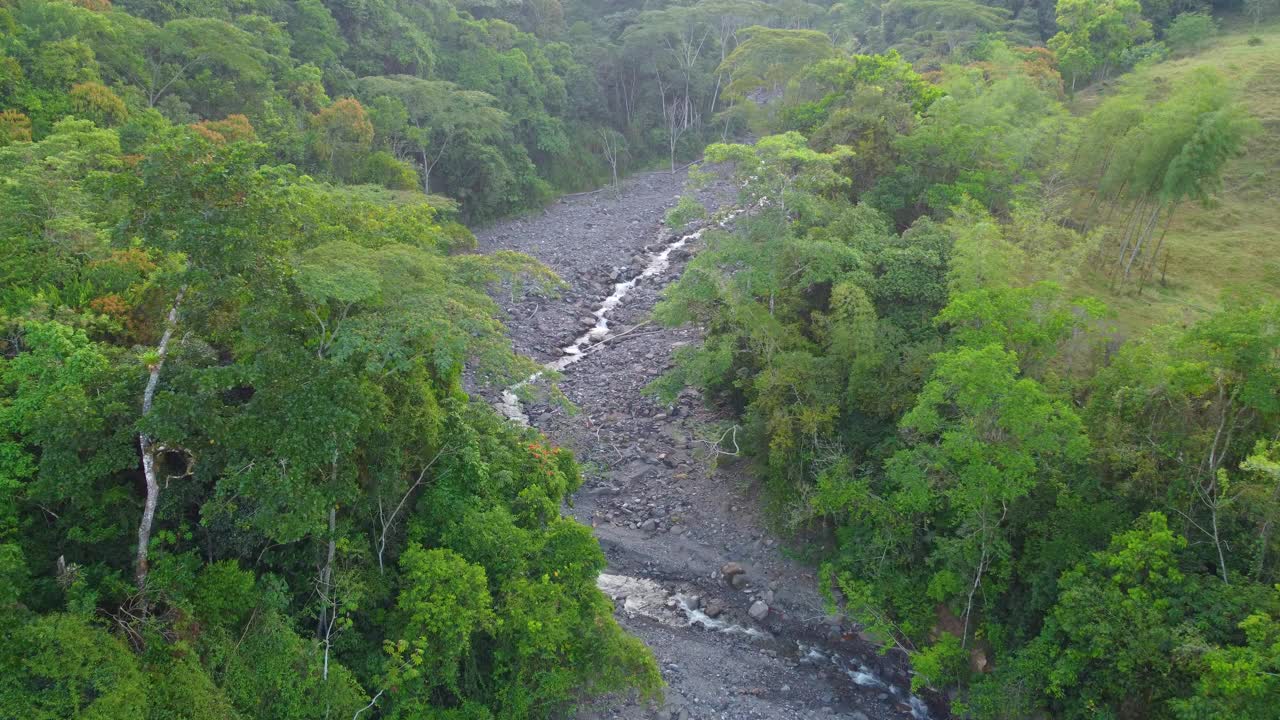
{"type": "Point", "coordinates": [1231, 249]}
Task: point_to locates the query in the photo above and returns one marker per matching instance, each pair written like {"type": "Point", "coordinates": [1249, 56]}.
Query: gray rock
{"type": "Point", "coordinates": [759, 611]}
{"type": "Point", "coordinates": [730, 569]}
{"type": "Point", "coordinates": [858, 715]}
{"type": "Point", "coordinates": [714, 608]}
{"type": "Point", "coordinates": [738, 581]}
{"type": "Point", "coordinates": [649, 525]}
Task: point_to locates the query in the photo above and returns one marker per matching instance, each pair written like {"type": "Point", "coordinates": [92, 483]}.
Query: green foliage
{"type": "Point", "coordinates": [1146, 54]}
{"type": "Point", "coordinates": [988, 140]}
{"type": "Point", "coordinates": [309, 391]}
{"type": "Point", "coordinates": [182, 690]}
{"type": "Point", "coordinates": [767, 58]}
{"type": "Point", "coordinates": [1113, 629]}
{"type": "Point", "coordinates": [510, 104]}
{"type": "Point", "coordinates": [939, 665]}
{"type": "Point", "coordinates": [96, 102]}
{"type": "Point", "coordinates": [987, 471]}
{"type": "Point", "coordinates": [947, 25]}
{"type": "Point", "coordinates": [862, 101]}
{"type": "Point", "coordinates": [444, 601]}
{"type": "Point", "coordinates": [1190, 32]}
{"type": "Point", "coordinates": [782, 170]}
{"type": "Point", "coordinates": [341, 133]}
{"type": "Point", "coordinates": [686, 210]}
{"type": "Point", "coordinates": [1239, 681]}
{"type": "Point", "coordinates": [340, 530]}
{"type": "Point", "coordinates": [62, 666]}
{"type": "Point", "coordinates": [382, 168]}
{"type": "Point", "coordinates": [438, 123]}
{"type": "Point", "coordinates": [52, 215]}
{"type": "Point", "coordinates": [275, 673]}
{"type": "Point", "coordinates": [1093, 34]}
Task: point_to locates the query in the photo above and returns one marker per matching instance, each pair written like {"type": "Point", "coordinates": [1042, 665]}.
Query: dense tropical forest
{"type": "Point", "coordinates": [1056, 508]}
{"type": "Point", "coordinates": [1007, 375]}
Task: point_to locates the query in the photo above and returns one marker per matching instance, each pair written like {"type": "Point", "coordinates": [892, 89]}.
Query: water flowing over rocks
{"type": "Point", "coordinates": [739, 630]}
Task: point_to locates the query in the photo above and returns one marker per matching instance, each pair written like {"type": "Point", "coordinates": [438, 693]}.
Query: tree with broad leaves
{"type": "Point", "coordinates": [441, 118]}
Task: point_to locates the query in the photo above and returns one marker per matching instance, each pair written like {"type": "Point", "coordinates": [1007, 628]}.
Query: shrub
{"type": "Point", "coordinates": [685, 211]}
{"type": "Point", "coordinates": [62, 665]}
{"type": "Point", "coordinates": [232, 128]}
{"type": "Point", "coordinates": [14, 127]}
{"type": "Point", "coordinates": [1146, 53]}
{"type": "Point", "coordinates": [1190, 32]}
{"type": "Point", "coordinates": [382, 168]}
{"type": "Point", "coordinates": [11, 77]}
{"type": "Point", "coordinates": [97, 102]}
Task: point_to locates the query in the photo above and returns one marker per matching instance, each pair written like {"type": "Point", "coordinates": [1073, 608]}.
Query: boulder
{"type": "Point", "coordinates": [714, 608]}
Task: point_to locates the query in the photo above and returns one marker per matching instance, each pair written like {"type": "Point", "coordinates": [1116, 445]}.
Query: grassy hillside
{"type": "Point", "coordinates": [1231, 247]}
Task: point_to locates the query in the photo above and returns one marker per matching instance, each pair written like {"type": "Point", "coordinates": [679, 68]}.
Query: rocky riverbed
{"type": "Point", "coordinates": [738, 628]}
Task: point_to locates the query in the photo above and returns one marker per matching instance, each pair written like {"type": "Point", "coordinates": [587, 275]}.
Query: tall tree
{"type": "Point", "coordinates": [1093, 33]}
{"type": "Point", "coordinates": [442, 118]}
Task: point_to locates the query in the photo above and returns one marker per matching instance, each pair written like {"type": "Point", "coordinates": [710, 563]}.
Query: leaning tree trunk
{"type": "Point", "coordinates": [147, 445]}
{"type": "Point", "coordinates": [1143, 237]}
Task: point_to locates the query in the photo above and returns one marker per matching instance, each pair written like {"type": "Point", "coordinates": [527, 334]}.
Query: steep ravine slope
{"type": "Point", "coordinates": [755, 643]}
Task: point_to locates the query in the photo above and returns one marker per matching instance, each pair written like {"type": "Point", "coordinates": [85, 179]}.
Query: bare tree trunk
{"type": "Point", "coordinates": [973, 589]}
{"type": "Point", "coordinates": [715, 96]}
{"type": "Point", "coordinates": [1142, 239]}
{"type": "Point", "coordinates": [389, 522]}
{"type": "Point", "coordinates": [1264, 534]}
{"type": "Point", "coordinates": [1211, 495]}
{"type": "Point", "coordinates": [629, 92]}
{"type": "Point", "coordinates": [147, 445]}
{"type": "Point", "coordinates": [325, 587]}
{"type": "Point", "coordinates": [1130, 225]}
{"type": "Point", "coordinates": [326, 572]}
{"type": "Point", "coordinates": [328, 598]}
{"type": "Point", "coordinates": [154, 90]}
{"type": "Point", "coordinates": [1217, 542]}
{"type": "Point", "coordinates": [1155, 255]}
{"type": "Point", "coordinates": [611, 146]}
